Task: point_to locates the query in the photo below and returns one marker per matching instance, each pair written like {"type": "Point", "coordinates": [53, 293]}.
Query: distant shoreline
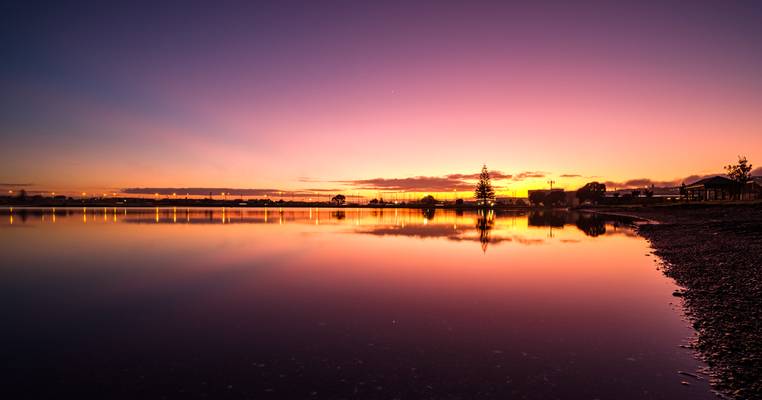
{"type": "Point", "coordinates": [632, 210]}
{"type": "Point", "coordinates": [142, 203]}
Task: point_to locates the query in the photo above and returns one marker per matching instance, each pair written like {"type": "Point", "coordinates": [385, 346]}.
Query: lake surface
{"type": "Point", "coordinates": [329, 303]}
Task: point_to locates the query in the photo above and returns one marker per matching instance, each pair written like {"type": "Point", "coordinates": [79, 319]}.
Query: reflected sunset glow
{"type": "Point", "coordinates": [473, 289]}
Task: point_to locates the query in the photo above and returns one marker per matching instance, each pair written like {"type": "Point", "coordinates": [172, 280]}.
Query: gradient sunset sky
{"type": "Point", "coordinates": [375, 95]}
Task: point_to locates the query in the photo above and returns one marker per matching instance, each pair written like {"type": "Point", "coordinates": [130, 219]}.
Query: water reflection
{"type": "Point", "coordinates": [488, 227]}
{"type": "Point", "coordinates": [428, 213]}
{"type": "Point", "coordinates": [335, 303]}
{"type": "Point", "coordinates": [592, 225]}
{"type": "Point", "coordinates": [484, 224]}
{"type": "Point", "coordinates": [551, 218]}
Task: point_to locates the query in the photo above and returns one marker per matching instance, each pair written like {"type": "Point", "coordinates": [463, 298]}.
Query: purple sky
{"type": "Point", "coordinates": [354, 95]}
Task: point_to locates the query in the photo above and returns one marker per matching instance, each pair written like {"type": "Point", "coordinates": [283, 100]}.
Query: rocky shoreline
{"type": "Point", "coordinates": [715, 253]}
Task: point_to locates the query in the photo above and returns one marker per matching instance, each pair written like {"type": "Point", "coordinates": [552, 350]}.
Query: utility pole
{"type": "Point", "coordinates": [551, 182]}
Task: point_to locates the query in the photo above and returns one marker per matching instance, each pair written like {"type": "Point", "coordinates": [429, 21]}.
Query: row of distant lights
{"type": "Point", "coordinates": [83, 193]}
{"type": "Point", "coordinates": [187, 194]}
{"type": "Point", "coordinates": [174, 214]}
{"type": "Point", "coordinates": [155, 194]}
{"type": "Point", "coordinates": [114, 194]}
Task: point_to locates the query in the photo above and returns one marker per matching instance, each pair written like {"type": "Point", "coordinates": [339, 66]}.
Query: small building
{"type": "Point", "coordinates": [571, 199]}
{"type": "Point", "coordinates": [753, 189]}
{"type": "Point", "coordinates": [510, 200]}
{"type": "Point", "coordinates": [714, 188]}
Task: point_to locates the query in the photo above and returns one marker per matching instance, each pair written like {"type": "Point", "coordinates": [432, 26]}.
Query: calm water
{"type": "Point", "coordinates": [308, 303]}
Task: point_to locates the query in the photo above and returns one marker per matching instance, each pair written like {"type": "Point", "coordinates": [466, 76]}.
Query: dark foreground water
{"type": "Point", "coordinates": [308, 303]}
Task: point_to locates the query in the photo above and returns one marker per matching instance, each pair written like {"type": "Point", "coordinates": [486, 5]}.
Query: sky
{"type": "Point", "coordinates": [337, 96]}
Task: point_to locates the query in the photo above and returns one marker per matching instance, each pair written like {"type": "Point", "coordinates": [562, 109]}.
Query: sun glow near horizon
{"type": "Point", "coordinates": [290, 103]}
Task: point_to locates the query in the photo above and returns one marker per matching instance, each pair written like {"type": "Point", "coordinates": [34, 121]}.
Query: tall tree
{"type": "Point", "coordinates": [484, 191]}
{"type": "Point", "coordinates": [428, 200]}
{"type": "Point", "coordinates": [592, 192]}
{"type": "Point", "coordinates": [339, 199]}
{"type": "Point", "coordinates": [741, 172]}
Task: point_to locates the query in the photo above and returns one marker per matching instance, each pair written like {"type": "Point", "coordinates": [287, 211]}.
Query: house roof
{"type": "Point", "coordinates": [712, 182]}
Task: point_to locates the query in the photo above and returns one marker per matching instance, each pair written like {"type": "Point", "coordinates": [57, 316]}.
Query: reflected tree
{"type": "Point", "coordinates": [338, 215]}
{"type": "Point", "coordinates": [428, 213]}
{"type": "Point", "coordinates": [23, 213]}
{"type": "Point", "coordinates": [591, 225]}
{"type": "Point", "coordinates": [484, 224]}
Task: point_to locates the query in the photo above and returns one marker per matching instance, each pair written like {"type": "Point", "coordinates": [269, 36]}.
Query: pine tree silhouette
{"type": "Point", "coordinates": [484, 192]}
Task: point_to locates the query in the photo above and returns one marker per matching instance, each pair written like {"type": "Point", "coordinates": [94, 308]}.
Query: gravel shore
{"type": "Point", "coordinates": [715, 253]}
